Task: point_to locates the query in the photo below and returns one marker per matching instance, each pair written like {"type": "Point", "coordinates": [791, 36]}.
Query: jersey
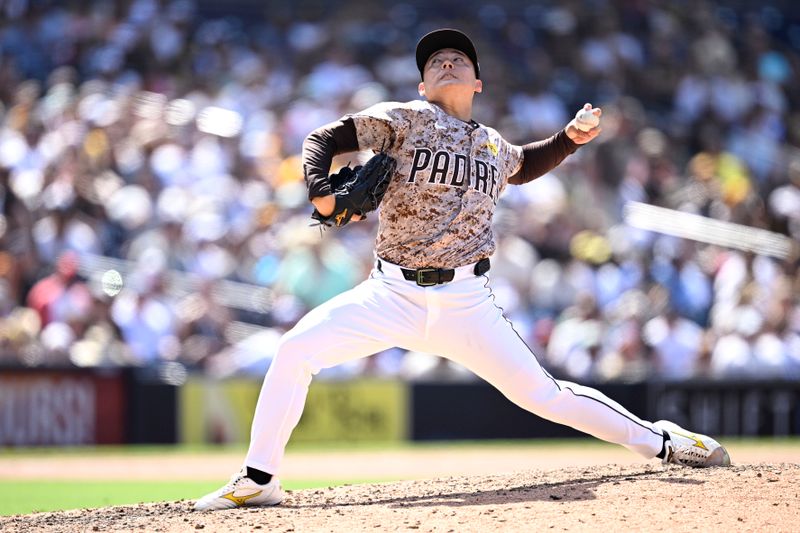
{"type": "Point", "coordinates": [437, 211]}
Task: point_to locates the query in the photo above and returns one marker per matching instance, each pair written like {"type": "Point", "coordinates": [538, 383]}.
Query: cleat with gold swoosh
{"type": "Point", "coordinates": [242, 491]}
{"type": "Point", "coordinates": [691, 449]}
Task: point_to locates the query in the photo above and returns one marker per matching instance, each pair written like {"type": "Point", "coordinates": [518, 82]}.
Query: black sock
{"type": "Point", "coordinates": [663, 451]}
{"type": "Point", "coordinates": [262, 478]}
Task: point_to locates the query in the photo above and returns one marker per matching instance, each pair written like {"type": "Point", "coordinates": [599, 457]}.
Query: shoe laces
{"type": "Point", "coordinates": [684, 455]}
{"type": "Point", "coordinates": [233, 482]}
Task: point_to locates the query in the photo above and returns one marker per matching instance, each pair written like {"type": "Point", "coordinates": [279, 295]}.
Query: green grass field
{"type": "Point", "coordinates": [22, 496]}
{"type": "Point", "coordinates": [29, 496]}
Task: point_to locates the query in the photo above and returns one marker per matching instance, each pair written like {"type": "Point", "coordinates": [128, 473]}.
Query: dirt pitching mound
{"type": "Point", "coordinates": [744, 497]}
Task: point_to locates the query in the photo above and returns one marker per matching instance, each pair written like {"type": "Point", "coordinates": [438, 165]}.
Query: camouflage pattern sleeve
{"type": "Point", "coordinates": [512, 158]}
{"type": "Point", "coordinates": [378, 127]}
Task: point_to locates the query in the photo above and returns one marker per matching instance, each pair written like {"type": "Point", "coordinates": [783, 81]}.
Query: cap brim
{"type": "Point", "coordinates": [445, 38]}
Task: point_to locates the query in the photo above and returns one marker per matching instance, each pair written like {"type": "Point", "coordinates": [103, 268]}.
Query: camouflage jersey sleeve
{"type": "Point", "coordinates": [377, 127]}
{"type": "Point", "coordinates": [438, 209]}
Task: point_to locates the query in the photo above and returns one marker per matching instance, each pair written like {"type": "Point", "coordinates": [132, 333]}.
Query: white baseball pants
{"type": "Point", "coordinates": [458, 320]}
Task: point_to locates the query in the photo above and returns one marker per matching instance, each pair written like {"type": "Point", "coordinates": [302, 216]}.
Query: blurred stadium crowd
{"type": "Point", "coordinates": [165, 135]}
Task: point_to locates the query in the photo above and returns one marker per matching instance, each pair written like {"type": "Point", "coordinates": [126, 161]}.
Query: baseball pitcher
{"type": "Point", "coordinates": [438, 179]}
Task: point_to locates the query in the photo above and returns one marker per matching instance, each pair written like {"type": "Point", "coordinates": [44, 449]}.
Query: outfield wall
{"type": "Point", "coordinates": [87, 407]}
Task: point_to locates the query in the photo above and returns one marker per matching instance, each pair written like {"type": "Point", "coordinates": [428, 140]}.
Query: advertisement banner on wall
{"type": "Point", "coordinates": [216, 412]}
{"type": "Point", "coordinates": [61, 408]}
{"type": "Point", "coordinates": [362, 410]}
{"type": "Point", "coordinates": [744, 408]}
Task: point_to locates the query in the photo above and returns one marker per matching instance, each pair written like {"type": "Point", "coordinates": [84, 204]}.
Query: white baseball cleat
{"type": "Point", "coordinates": [242, 491]}
{"type": "Point", "coordinates": [691, 449]}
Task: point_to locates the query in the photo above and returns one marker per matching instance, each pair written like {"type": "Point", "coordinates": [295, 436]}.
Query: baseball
{"type": "Point", "coordinates": [111, 282]}
{"type": "Point", "coordinates": [585, 120]}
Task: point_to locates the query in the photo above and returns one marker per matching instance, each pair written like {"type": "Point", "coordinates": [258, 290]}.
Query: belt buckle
{"type": "Point", "coordinates": [420, 277]}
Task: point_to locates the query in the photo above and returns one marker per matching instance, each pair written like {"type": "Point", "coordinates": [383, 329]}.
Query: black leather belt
{"type": "Point", "coordinates": [427, 277]}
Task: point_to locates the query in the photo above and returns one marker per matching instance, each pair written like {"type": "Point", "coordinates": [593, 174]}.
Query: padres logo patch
{"type": "Point", "coordinates": [492, 148]}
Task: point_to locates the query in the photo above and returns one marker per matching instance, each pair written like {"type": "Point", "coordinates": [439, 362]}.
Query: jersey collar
{"type": "Point", "coordinates": [473, 124]}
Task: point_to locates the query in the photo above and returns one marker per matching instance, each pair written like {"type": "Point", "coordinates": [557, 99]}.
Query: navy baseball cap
{"type": "Point", "coordinates": [445, 38]}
